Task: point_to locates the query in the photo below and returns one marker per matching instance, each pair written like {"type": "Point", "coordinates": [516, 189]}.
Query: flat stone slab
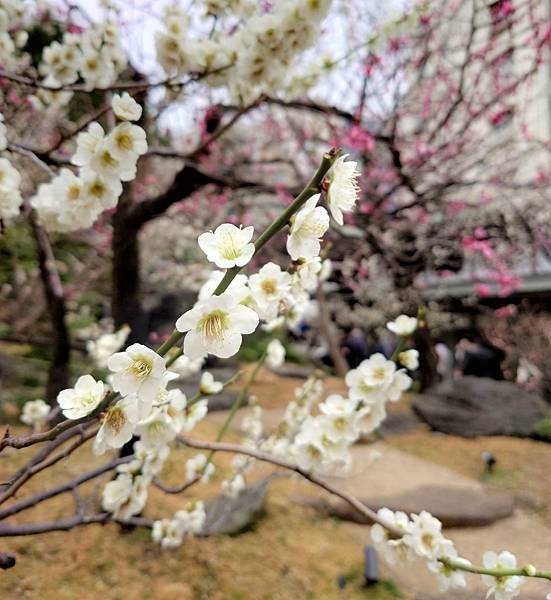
{"type": "Point", "coordinates": [455, 507]}
{"type": "Point", "coordinates": [475, 406]}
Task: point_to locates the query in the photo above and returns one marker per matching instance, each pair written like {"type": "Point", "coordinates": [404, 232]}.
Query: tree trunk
{"type": "Point", "coordinates": [428, 359]}
{"type": "Point", "coordinates": [58, 374]}
{"type": "Point", "coordinates": [126, 306]}
{"type": "Point", "coordinates": [330, 334]}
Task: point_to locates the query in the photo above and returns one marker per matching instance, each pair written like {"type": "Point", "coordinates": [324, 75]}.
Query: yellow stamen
{"type": "Point", "coordinates": [268, 287]}
{"type": "Point", "coordinates": [141, 367]}
{"type": "Point", "coordinates": [115, 418]}
{"type": "Point", "coordinates": [213, 325]}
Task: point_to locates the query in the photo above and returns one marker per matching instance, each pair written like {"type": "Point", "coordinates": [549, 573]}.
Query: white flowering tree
{"type": "Point", "coordinates": [137, 403]}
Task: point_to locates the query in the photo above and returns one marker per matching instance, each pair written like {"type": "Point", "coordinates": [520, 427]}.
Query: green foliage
{"type": "Point", "coordinates": [384, 590]}
{"type": "Point", "coordinates": [542, 429]}
{"type": "Point", "coordinates": [16, 250]}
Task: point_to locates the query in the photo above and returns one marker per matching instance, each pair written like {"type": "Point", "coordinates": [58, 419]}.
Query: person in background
{"type": "Point", "coordinates": [445, 360]}
{"type": "Point", "coordinates": [355, 347]}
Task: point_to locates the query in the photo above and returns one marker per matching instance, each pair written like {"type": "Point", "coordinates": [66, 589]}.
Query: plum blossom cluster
{"type": "Point", "coordinates": [318, 434]}
{"type": "Point", "coordinates": [145, 408]}
{"type": "Point", "coordinates": [94, 56]}
{"type": "Point", "coordinates": [74, 201]}
{"type": "Point", "coordinates": [249, 51]}
{"type": "Point", "coordinates": [169, 533]}
{"type": "Point", "coordinates": [323, 440]}
{"type": "Point", "coordinates": [422, 538]}
{"type": "Point", "coordinates": [216, 324]}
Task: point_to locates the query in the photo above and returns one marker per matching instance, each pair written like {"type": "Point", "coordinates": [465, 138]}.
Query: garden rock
{"type": "Point", "coordinates": [230, 516]}
{"type": "Point", "coordinates": [454, 506]}
{"type": "Point", "coordinates": [474, 406]}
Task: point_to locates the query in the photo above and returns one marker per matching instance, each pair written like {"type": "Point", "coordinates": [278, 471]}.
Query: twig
{"type": "Point", "coordinates": [371, 515]}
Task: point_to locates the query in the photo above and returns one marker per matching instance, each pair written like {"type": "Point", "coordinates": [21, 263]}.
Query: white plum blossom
{"type": "Point", "coordinates": [339, 418]}
{"type": "Point", "coordinates": [194, 413]}
{"type": "Point", "coordinates": [343, 190]}
{"type": "Point", "coordinates": [168, 533]}
{"type": "Point", "coordinates": [35, 413]}
{"type": "Point", "coordinates": [192, 519]}
{"type": "Point", "coordinates": [125, 496]}
{"type": "Point", "coordinates": [184, 366]}
{"type": "Point", "coordinates": [268, 288]}
{"type": "Point", "coordinates": [175, 405]}
{"type": "Point", "coordinates": [228, 246]}
{"type": "Point", "coordinates": [81, 400]}
{"type": "Point", "coordinates": [370, 416]}
{"type": "Point", "coordinates": [137, 370]}
{"type": "Point", "coordinates": [425, 536]}
{"type": "Point", "coordinates": [107, 344]}
{"type": "Point", "coordinates": [372, 376]}
{"type": "Point", "coordinates": [118, 425]}
{"type": "Point", "coordinates": [314, 449]}
{"type": "Point", "coordinates": [125, 107]}
{"type": "Point", "coordinates": [234, 486]}
{"type": "Point", "coordinates": [409, 359]}
{"type": "Point", "coordinates": [307, 228]}
{"type": "Point", "coordinates": [448, 577]}
{"type": "Point", "coordinates": [88, 143]}
{"type": "Point", "coordinates": [251, 425]}
{"type": "Point", "coordinates": [402, 325]}
{"type": "Point", "coordinates": [156, 429]}
{"type": "Point", "coordinates": [504, 587]}
{"type": "Point", "coordinates": [215, 326]}
{"type": "Point", "coordinates": [311, 272]}
{"type": "Point", "coordinates": [126, 142]}
{"type": "Point", "coordinates": [198, 465]}
{"type": "Point", "coordinates": [392, 550]}
{"type": "Point", "coordinates": [275, 354]}
{"type": "Point", "coordinates": [106, 164]}
{"type": "Point", "coordinates": [400, 383]}
{"type": "Point", "coordinates": [208, 386]}
{"type": "Point", "coordinates": [150, 460]}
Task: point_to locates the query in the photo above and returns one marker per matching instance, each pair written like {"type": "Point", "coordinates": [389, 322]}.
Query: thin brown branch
{"type": "Point", "coordinates": [371, 515]}
{"type": "Point", "coordinates": [32, 470]}
{"type": "Point", "coordinates": [13, 530]}
{"type": "Point", "coordinates": [68, 486]}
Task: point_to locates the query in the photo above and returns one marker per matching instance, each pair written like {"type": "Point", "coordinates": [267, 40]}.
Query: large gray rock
{"type": "Point", "coordinates": [473, 406]}
{"type": "Point", "coordinates": [229, 516]}
{"type": "Point", "coordinates": [454, 506]}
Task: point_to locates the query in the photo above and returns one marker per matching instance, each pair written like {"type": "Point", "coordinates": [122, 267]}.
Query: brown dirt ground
{"type": "Point", "coordinates": [300, 553]}
{"type": "Point", "coordinates": [292, 553]}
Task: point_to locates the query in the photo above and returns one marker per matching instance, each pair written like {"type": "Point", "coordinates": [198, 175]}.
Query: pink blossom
{"type": "Point", "coordinates": [360, 139]}
{"type": "Point", "coordinates": [483, 290]}
{"type": "Point", "coordinates": [506, 311]}
{"type": "Point", "coordinates": [455, 207]}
